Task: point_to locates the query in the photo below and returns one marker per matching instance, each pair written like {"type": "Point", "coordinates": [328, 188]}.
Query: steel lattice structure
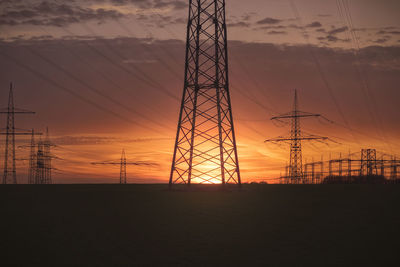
{"type": "Point", "coordinates": [122, 172]}
{"type": "Point", "coordinates": [368, 162]}
{"type": "Point", "coordinates": [122, 163]}
{"type": "Point", "coordinates": [10, 172]}
{"type": "Point", "coordinates": [205, 147]}
{"type": "Point", "coordinates": [295, 168]}
{"type": "Point", "coordinates": [32, 160]}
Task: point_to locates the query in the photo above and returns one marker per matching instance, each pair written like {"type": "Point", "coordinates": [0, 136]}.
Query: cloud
{"type": "Point", "coordinates": [269, 21]}
{"type": "Point", "coordinates": [54, 14]}
{"type": "Point", "coordinates": [277, 32]}
{"type": "Point", "coordinates": [380, 41]}
{"type": "Point", "coordinates": [388, 32]}
{"type": "Point", "coordinates": [333, 39]}
{"type": "Point", "coordinates": [148, 4]}
{"type": "Point", "coordinates": [338, 30]}
{"type": "Point", "coordinates": [239, 24]}
{"type": "Point", "coordinates": [314, 24]}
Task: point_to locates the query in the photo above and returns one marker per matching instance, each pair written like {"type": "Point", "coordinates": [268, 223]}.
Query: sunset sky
{"type": "Point", "coordinates": [104, 75]}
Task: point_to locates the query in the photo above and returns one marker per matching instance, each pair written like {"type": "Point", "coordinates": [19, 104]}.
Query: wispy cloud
{"type": "Point", "coordinates": [269, 20]}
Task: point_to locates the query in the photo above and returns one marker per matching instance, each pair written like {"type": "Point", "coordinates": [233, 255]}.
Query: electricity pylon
{"type": "Point", "coordinates": [295, 175]}
{"type": "Point", "coordinates": [47, 158]}
{"type": "Point", "coordinates": [10, 172]}
{"type": "Point", "coordinates": [122, 163]}
{"type": "Point", "coordinates": [32, 160]}
{"type": "Point", "coordinates": [205, 146]}
{"type": "Point", "coordinates": [122, 172]}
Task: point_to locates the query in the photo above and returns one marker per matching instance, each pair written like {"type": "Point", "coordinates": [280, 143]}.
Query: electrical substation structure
{"type": "Point", "coordinates": [205, 147]}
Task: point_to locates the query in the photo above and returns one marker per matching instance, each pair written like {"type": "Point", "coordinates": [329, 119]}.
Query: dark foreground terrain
{"type": "Point", "coordinates": [261, 225]}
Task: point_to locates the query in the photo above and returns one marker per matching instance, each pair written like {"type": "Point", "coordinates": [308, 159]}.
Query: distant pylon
{"type": "Point", "coordinates": [40, 168]}
{"type": "Point", "coordinates": [295, 163]}
{"type": "Point", "coordinates": [205, 147]}
{"type": "Point", "coordinates": [32, 160]}
{"type": "Point", "coordinates": [43, 161]}
{"type": "Point", "coordinates": [47, 158]}
{"type": "Point", "coordinates": [122, 164]}
{"type": "Point", "coordinates": [10, 173]}
{"type": "Point", "coordinates": [122, 173]}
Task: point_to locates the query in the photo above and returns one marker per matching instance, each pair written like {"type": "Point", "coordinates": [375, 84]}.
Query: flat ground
{"type": "Point", "coordinates": [262, 225]}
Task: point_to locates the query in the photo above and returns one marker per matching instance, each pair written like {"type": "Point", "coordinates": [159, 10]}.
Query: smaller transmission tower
{"type": "Point", "coordinates": [32, 159]}
{"type": "Point", "coordinates": [47, 157]}
{"type": "Point", "coordinates": [10, 172]}
{"type": "Point", "coordinates": [122, 172]}
{"type": "Point", "coordinates": [42, 161]}
{"type": "Point", "coordinates": [40, 167]}
{"type": "Point", "coordinates": [122, 163]}
{"type": "Point", "coordinates": [295, 175]}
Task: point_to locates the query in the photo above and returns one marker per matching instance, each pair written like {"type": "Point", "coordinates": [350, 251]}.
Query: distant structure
{"type": "Point", "coordinates": [122, 172]}
{"type": "Point", "coordinates": [368, 162]}
{"type": "Point", "coordinates": [42, 161]}
{"type": "Point", "coordinates": [360, 167]}
{"type": "Point", "coordinates": [205, 148]}
{"type": "Point", "coordinates": [295, 168]}
{"type": "Point", "coordinates": [122, 163]}
{"type": "Point", "coordinates": [32, 159]}
{"type": "Point", "coordinates": [10, 172]}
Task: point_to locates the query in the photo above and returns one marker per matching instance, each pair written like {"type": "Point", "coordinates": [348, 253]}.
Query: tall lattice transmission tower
{"type": "Point", "coordinates": [205, 147]}
{"type": "Point", "coordinates": [295, 168]}
{"type": "Point", "coordinates": [10, 170]}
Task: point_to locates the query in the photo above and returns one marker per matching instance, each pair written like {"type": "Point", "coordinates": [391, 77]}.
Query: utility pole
{"type": "Point", "coordinates": [205, 147]}
{"type": "Point", "coordinates": [10, 172]}
{"type": "Point", "coordinates": [296, 136]}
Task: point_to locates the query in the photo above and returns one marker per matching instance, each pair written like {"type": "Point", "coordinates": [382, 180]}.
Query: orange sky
{"type": "Point", "coordinates": [127, 111]}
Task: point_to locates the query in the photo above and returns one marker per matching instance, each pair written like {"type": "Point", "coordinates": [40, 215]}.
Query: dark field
{"type": "Point", "coordinates": [261, 225]}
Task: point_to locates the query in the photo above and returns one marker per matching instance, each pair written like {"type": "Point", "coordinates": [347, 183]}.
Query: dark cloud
{"type": "Point", "coordinates": [338, 30]}
{"type": "Point", "coordinates": [380, 41]}
{"type": "Point", "coordinates": [54, 14]}
{"type": "Point", "coordinates": [239, 24]}
{"type": "Point", "coordinates": [277, 32]}
{"type": "Point", "coordinates": [269, 21]}
{"type": "Point", "coordinates": [146, 4]}
{"type": "Point", "coordinates": [176, 4]}
{"type": "Point", "coordinates": [388, 32]}
{"type": "Point", "coordinates": [314, 24]}
{"type": "Point", "coordinates": [333, 39]}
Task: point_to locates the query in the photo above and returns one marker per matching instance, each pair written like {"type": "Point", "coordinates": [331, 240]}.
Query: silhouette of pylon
{"type": "Point", "coordinates": [10, 172]}
{"type": "Point", "coordinates": [205, 147]}
{"type": "Point", "coordinates": [122, 173]}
